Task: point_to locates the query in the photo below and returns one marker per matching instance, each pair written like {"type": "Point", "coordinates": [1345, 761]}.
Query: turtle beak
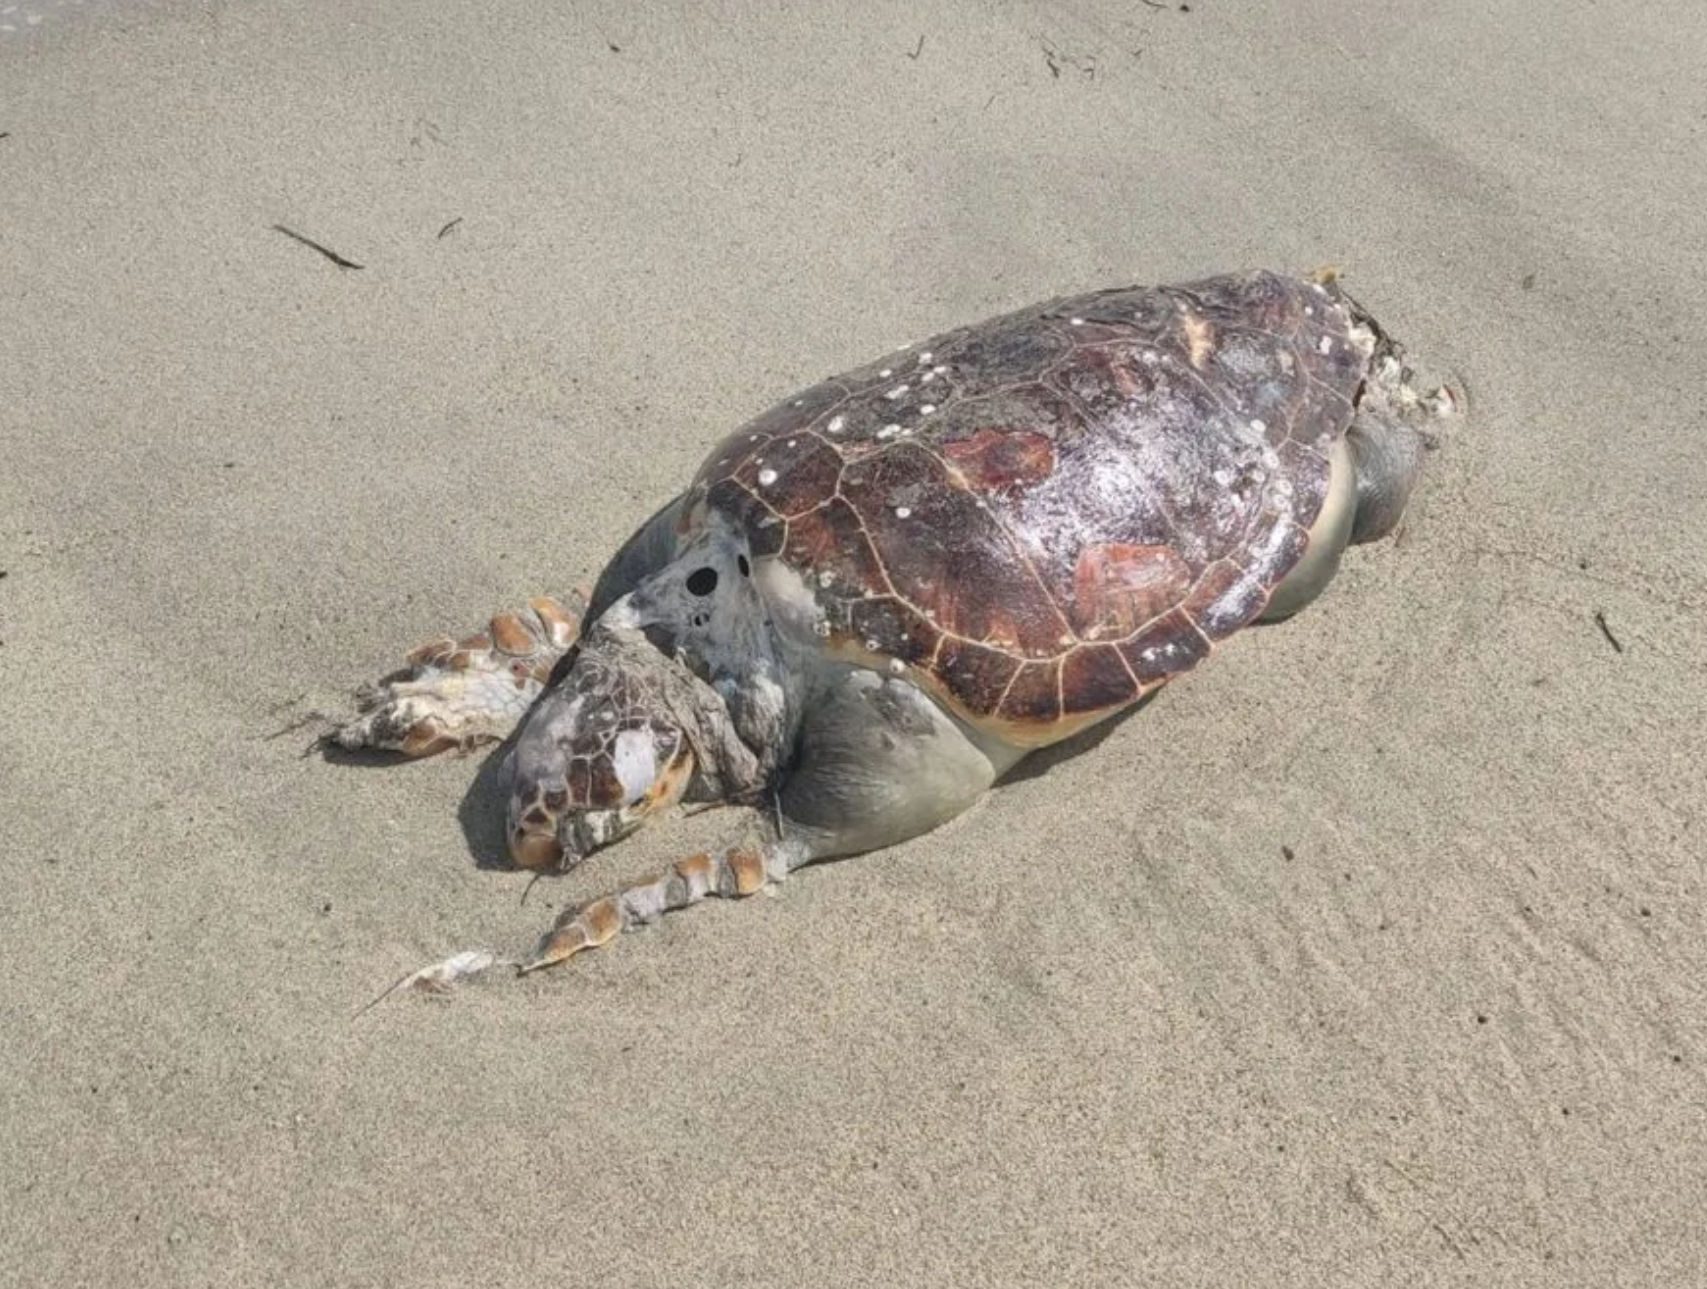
{"type": "Point", "coordinates": [543, 841]}
{"type": "Point", "coordinates": [537, 852]}
{"type": "Point", "coordinates": [533, 839]}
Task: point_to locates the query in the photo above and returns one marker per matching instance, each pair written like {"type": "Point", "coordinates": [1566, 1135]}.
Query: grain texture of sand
{"type": "Point", "coordinates": [1374, 954]}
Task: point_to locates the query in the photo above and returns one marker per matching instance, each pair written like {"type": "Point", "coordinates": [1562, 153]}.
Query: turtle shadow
{"type": "Point", "coordinates": [364, 757]}
{"type": "Point", "coordinates": [482, 810]}
{"type": "Point", "coordinates": [1045, 759]}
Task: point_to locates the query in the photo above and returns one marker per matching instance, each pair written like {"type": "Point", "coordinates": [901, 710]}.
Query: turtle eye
{"type": "Point", "coordinates": [741, 563]}
{"type": "Point", "coordinates": [702, 581]}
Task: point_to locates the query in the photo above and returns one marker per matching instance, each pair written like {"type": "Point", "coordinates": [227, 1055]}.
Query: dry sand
{"type": "Point", "coordinates": [1103, 1030]}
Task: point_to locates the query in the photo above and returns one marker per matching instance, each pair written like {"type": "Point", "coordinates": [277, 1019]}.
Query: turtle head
{"type": "Point", "coordinates": [599, 755]}
{"type": "Point", "coordinates": [666, 688]}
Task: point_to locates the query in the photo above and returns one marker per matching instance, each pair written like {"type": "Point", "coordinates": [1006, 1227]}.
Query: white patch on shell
{"type": "Point", "coordinates": [1324, 345]}
{"type": "Point", "coordinates": [900, 391]}
{"type": "Point", "coordinates": [1077, 322]}
{"type": "Point", "coordinates": [886, 373]}
{"type": "Point", "coordinates": [889, 431]}
{"type": "Point", "coordinates": [897, 666]}
{"type": "Point", "coordinates": [825, 577]}
{"type": "Point", "coordinates": [925, 358]}
{"type": "Point", "coordinates": [925, 409]}
{"type": "Point", "coordinates": [636, 763]}
{"type": "Point", "coordinates": [1259, 425]}
{"type": "Point", "coordinates": [836, 424]}
{"type": "Point", "coordinates": [767, 476]}
{"type": "Point", "coordinates": [791, 601]}
{"type": "Point", "coordinates": [903, 512]}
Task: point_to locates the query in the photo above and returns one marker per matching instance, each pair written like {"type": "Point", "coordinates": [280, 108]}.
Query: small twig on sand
{"type": "Point", "coordinates": [1600, 621]}
{"type": "Point", "coordinates": [528, 889]}
{"type": "Point", "coordinates": [309, 242]}
{"type": "Point", "coordinates": [921, 49]}
{"type": "Point", "coordinates": [453, 223]}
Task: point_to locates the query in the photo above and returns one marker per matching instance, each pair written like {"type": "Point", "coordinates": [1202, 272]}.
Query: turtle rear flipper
{"type": "Point", "coordinates": [459, 693]}
{"type": "Point", "coordinates": [1396, 424]}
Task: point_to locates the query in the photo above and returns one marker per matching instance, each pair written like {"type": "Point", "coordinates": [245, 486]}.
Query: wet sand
{"type": "Point", "coordinates": [1371, 954]}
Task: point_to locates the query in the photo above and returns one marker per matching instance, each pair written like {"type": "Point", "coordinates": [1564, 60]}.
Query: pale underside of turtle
{"type": "Point", "coordinates": [876, 598]}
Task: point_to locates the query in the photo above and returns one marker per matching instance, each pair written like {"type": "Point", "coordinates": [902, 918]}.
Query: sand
{"type": "Point", "coordinates": [1374, 954]}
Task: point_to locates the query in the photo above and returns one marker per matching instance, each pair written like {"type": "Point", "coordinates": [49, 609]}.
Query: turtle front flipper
{"type": "Point", "coordinates": [459, 693]}
{"type": "Point", "coordinates": [734, 873]}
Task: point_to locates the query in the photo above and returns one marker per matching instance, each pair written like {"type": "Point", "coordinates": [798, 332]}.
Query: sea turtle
{"type": "Point", "coordinates": [876, 598]}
